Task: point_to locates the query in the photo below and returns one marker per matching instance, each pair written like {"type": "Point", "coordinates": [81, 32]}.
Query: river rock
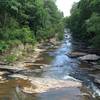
{"type": "Point", "coordinates": [76, 54]}
{"type": "Point", "coordinates": [3, 73]}
{"type": "Point", "coordinates": [2, 63]}
{"type": "Point", "coordinates": [12, 69]}
{"type": "Point", "coordinates": [2, 79]}
{"type": "Point", "coordinates": [96, 67]}
{"type": "Point", "coordinates": [53, 41]}
{"type": "Point", "coordinates": [96, 78]}
{"type": "Point", "coordinates": [89, 69]}
{"type": "Point", "coordinates": [90, 57]}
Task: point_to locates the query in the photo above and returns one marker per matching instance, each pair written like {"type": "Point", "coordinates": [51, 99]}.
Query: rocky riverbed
{"type": "Point", "coordinates": [52, 72]}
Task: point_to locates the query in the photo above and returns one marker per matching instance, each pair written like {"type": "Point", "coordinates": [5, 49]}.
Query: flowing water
{"type": "Point", "coordinates": [61, 67]}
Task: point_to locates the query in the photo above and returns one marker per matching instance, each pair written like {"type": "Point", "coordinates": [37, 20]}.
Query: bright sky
{"type": "Point", "coordinates": [65, 6]}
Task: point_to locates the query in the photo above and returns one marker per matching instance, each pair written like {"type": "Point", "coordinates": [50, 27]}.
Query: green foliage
{"type": "Point", "coordinates": [96, 41]}
{"type": "Point", "coordinates": [13, 43]}
{"type": "Point", "coordinates": [84, 21]}
{"type": "Point", "coordinates": [3, 46]}
{"type": "Point", "coordinates": [25, 35]}
{"type": "Point", "coordinates": [93, 24]}
{"type": "Point", "coordinates": [28, 20]}
{"type": "Point", "coordinates": [44, 34]}
{"type": "Point", "coordinates": [59, 30]}
{"type": "Point", "coordinates": [10, 58]}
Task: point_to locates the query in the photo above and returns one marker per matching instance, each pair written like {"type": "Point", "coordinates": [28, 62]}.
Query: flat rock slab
{"type": "Point", "coordinates": [96, 67]}
{"type": "Point", "coordinates": [3, 73]}
{"type": "Point", "coordinates": [96, 78]}
{"type": "Point", "coordinates": [12, 69]}
{"type": "Point", "coordinates": [90, 57]}
{"type": "Point", "coordinates": [45, 84]}
{"type": "Point", "coordinates": [76, 54]}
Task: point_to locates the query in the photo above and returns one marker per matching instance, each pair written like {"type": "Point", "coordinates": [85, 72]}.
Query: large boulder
{"type": "Point", "coordinates": [76, 54]}
{"type": "Point", "coordinates": [90, 57]}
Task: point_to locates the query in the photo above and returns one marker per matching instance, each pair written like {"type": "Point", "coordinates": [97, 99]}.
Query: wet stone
{"type": "Point", "coordinates": [96, 67]}
{"type": "Point", "coordinates": [97, 80]}
{"type": "Point", "coordinates": [76, 54]}
{"type": "Point", "coordinates": [90, 57]}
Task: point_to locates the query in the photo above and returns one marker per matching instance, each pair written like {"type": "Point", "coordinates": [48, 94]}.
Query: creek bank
{"type": "Point", "coordinates": [27, 53]}
{"type": "Point", "coordinates": [88, 59]}
{"type": "Point", "coordinates": [27, 63]}
{"type": "Point", "coordinates": [56, 71]}
{"type": "Point", "coordinates": [22, 64]}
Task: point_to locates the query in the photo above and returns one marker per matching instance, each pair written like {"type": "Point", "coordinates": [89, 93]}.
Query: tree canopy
{"type": "Point", "coordinates": [84, 21]}
{"type": "Point", "coordinates": [28, 21]}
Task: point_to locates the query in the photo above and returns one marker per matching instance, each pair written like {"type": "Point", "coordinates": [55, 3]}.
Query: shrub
{"type": "Point", "coordinates": [96, 41]}
{"type": "Point", "coordinates": [25, 35]}
{"type": "Point", "coordinates": [10, 58]}
{"type": "Point", "coordinates": [45, 33]}
{"type": "Point", "coordinates": [3, 46]}
{"type": "Point", "coordinates": [13, 43]}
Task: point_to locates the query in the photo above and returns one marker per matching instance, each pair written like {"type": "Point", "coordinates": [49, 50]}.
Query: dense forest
{"type": "Point", "coordinates": [84, 21]}
{"type": "Point", "coordinates": [28, 21]}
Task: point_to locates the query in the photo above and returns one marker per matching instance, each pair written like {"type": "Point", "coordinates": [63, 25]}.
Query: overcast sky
{"type": "Point", "coordinates": [65, 6]}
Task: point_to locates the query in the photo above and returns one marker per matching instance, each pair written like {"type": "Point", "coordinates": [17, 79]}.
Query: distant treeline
{"type": "Point", "coordinates": [84, 21]}
{"type": "Point", "coordinates": [28, 21]}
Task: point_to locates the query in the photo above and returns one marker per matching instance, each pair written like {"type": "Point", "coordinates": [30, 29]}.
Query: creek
{"type": "Point", "coordinates": [61, 67]}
